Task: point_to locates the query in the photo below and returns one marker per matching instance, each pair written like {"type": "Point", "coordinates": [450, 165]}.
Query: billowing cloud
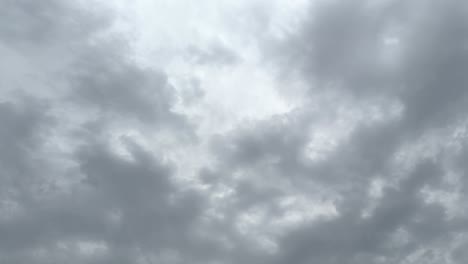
{"type": "Point", "coordinates": [233, 131]}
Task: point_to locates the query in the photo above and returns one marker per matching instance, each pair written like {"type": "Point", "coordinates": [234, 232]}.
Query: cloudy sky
{"type": "Point", "coordinates": [233, 131]}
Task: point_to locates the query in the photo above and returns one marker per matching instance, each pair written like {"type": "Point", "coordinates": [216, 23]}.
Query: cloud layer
{"type": "Point", "coordinates": [233, 131]}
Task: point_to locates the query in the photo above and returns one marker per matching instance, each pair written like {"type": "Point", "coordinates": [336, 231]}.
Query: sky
{"type": "Point", "coordinates": [233, 131]}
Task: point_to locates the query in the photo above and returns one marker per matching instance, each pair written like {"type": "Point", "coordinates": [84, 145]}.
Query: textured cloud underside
{"type": "Point", "coordinates": [233, 131]}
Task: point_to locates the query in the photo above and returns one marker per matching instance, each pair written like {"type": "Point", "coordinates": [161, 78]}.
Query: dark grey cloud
{"type": "Point", "coordinates": [130, 208]}
{"type": "Point", "coordinates": [91, 169]}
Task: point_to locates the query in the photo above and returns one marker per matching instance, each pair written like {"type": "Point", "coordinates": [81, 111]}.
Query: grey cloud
{"type": "Point", "coordinates": [23, 124]}
{"type": "Point", "coordinates": [102, 79]}
{"type": "Point", "coordinates": [353, 239]}
{"type": "Point", "coordinates": [89, 203]}
{"type": "Point", "coordinates": [130, 207]}
{"type": "Point", "coordinates": [433, 67]}
{"type": "Point", "coordinates": [28, 24]}
{"type": "Point", "coordinates": [338, 49]}
{"type": "Point", "coordinates": [151, 216]}
{"type": "Point", "coordinates": [339, 46]}
{"type": "Point", "coordinates": [128, 210]}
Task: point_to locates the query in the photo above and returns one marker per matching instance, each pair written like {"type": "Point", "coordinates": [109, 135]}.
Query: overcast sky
{"type": "Point", "coordinates": [233, 131]}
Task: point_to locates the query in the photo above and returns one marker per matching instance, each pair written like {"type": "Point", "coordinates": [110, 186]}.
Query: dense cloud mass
{"type": "Point", "coordinates": [233, 131]}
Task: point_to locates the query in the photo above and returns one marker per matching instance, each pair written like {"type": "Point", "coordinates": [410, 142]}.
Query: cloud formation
{"type": "Point", "coordinates": [233, 132]}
